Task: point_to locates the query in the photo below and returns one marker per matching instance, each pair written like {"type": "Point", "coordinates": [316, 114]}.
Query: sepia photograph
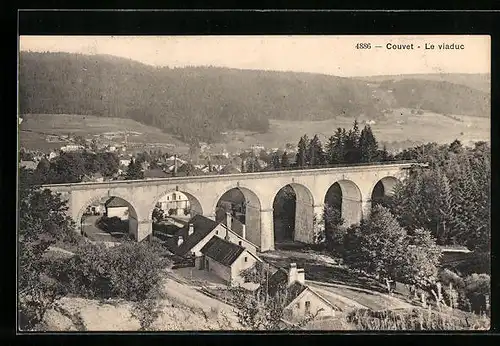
{"type": "Point", "coordinates": [254, 183]}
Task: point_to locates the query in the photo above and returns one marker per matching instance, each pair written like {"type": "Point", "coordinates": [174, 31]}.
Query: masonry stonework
{"type": "Point", "coordinates": [311, 186]}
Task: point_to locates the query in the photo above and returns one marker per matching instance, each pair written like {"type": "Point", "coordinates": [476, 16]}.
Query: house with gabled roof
{"type": "Point", "coordinates": [227, 260]}
{"type": "Point", "coordinates": [300, 299]}
{"type": "Point", "coordinates": [188, 241]}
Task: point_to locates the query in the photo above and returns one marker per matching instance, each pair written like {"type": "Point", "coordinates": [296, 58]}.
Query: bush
{"type": "Point", "coordinates": [128, 271]}
{"type": "Point", "coordinates": [477, 287]}
{"type": "Point", "coordinates": [415, 319]}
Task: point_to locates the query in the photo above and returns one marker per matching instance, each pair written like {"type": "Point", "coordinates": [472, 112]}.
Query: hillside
{"type": "Point", "coordinates": [198, 103]}
{"type": "Point", "coordinates": [479, 81]}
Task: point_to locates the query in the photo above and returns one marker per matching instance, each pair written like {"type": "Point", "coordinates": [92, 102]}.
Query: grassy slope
{"type": "Point", "coordinates": [478, 81]}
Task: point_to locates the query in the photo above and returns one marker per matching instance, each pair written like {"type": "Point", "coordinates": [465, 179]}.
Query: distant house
{"type": "Point", "coordinates": [155, 174]}
{"type": "Point", "coordinates": [96, 177]}
{"type": "Point", "coordinates": [226, 260]}
{"type": "Point", "coordinates": [176, 203]}
{"type": "Point", "coordinates": [28, 164]}
{"type": "Point", "coordinates": [301, 299]}
{"type": "Point", "coordinates": [230, 169]}
{"type": "Point", "coordinates": [53, 155]}
{"type": "Point", "coordinates": [117, 207]}
{"type": "Point", "coordinates": [124, 162]}
{"type": "Point", "coordinates": [72, 147]}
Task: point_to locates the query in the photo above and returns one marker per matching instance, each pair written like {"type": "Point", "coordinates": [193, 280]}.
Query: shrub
{"type": "Point", "coordinates": [128, 271]}
{"type": "Point", "coordinates": [415, 319]}
{"type": "Point", "coordinates": [477, 287]}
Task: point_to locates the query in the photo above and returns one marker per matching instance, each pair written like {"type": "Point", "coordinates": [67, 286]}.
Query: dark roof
{"type": "Point", "coordinates": [116, 202]}
{"type": "Point", "coordinates": [229, 169]}
{"type": "Point", "coordinates": [222, 251]}
{"type": "Point", "coordinates": [155, 173]}
{"type": "Point", "coordinates": [202, 227]}
{"type": "Point", "coordinates": [278, 284]}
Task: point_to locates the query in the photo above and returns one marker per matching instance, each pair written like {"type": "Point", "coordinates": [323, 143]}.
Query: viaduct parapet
{"type": "Point", "coordinates": [311, 187]}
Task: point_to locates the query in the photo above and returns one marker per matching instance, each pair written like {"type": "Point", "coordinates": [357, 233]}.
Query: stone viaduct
{"type": "Point", "coordinates": [311, 187]}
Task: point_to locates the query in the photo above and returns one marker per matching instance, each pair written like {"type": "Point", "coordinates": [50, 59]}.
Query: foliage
{"type": "Point", "coordinates": [380, 246]}
{"type": "Point", "coordinates": [71, 167]}
{"type": "Point", "coordinates": [127, 271]}
{"type": "Point", "coordinates": [148, 310]}
{"type": "Point", "coordinates": [334, 230]}
{"type": "Point", "coordinates": [158, 215]}
{"type": "Point", "coordinates": [315, 155]}
{"type": "Point", "coordinates": [416, 319]}
{"type": "Point", "coordinates": [477, 286]}
{"type": "Point", "coordinates": [368, 146]}
{"type": "Point", "coordinates": [42, 222]}
{"type": "Point", "coordinates": [302, 156]}
{"type": "Point", "coordinates": [134, 170]}
{"type": "Point", "coordinates": [451, 198]}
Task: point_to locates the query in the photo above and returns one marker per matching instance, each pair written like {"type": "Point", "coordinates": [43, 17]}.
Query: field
{"type": "Point", "coordinates": [86, 126]}
{"type": "Point", "coordinates": [400, 126]}
{"type": "Point", "coordinates": [428, 127]}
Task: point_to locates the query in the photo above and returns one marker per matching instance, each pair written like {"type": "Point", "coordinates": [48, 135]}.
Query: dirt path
{"type": "Point", "coordinates": [361, 297]}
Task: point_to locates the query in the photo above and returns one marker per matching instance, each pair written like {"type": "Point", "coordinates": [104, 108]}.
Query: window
{"type": "Point", "coordinates": [217, 232]}
{"type": "Point", "coordinates": [297, 305]}
{"type": "Point", "coordinates": [246, 259]}
{"type": "Point", "coordinates": [308, 306]}
{"type": "Point", "coordinates": [239, 243]}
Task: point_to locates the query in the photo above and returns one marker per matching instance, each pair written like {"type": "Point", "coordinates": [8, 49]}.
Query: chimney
{"type": "Point", "coordinates": [301, 276]}
{"type": "Point", "coordinates": [180, 241]}
{"type": "Point", "coordinates": [292, 273]}
{"type": "Point", "coordinates": [191, 229]}
{"type": "Point", "coordinates": [243, 231]}
{"type": "Point", "coordinates": [228, 220]}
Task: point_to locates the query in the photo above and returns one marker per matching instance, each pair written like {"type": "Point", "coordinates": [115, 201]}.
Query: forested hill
{"type": "Point", "coordinates": [197, 103]}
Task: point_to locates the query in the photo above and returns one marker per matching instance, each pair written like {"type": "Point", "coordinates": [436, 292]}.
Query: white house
{"type": "Point", "coordinates": [226, 260]}
{"type": "Point", "coordinates": [301, 299]}
{"type": "Point", "coordinates": [72, 147]}
{"type": "Point", "coordinates": [124, 162]}
{"type": "Point", "coordinates": [176, 201]}
{"type": "Point", "coordinates": [189, 240]}
{"type": "Point", "coordinates": [117, 207]}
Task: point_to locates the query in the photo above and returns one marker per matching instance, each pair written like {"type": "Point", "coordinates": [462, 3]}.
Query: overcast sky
{"type": "Point", "coordinates": [335, 55]}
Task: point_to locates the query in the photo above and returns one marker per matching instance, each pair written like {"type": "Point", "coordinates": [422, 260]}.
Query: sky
{"type": "Point", "coordinates": [333, 55]}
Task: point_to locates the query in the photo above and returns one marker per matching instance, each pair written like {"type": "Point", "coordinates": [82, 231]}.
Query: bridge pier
{"type": "Point", "coordinates": [366, 206]}
{"type": "Point", "coordinates": [144, 229]}
{"type": "Point", "coordinates": [266, 230]}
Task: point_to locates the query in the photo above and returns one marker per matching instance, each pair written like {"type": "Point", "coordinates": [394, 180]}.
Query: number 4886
{"type": "Point", "coordinates": [363, 46]}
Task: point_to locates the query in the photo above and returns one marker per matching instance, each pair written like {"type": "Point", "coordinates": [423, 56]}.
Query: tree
{"type": "Point", "coordinates": [420, 264]}
{"type": "Point", "coordinates": [275, 161]}
{"type": "Point", "coordinates": [368, 146]}
{"type": "Point", "coordinates": [158, 215]}
{"type": "Point", "coordinates": [301, 160]}
{"type": "Point", "coordinates": [376, 245]}
{"type": "Point", "coordinates": [334, 229]}
{"type": "Point", "coordinates": [42, 222]}
{"type": "Point", "coordinates": [134, 171]}
{"type": "Point", "coordinates": [315, 152]}
{"type": "Point", "coordinates": [351, 146]}
{"type": "Point", "coordinates": [284, 160]}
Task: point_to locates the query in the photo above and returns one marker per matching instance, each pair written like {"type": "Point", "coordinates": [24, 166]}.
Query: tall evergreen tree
{"type": "Point", "coordinates": [335, 149]}
{"type": "Point", "coordinates": [134, 171]}
{"type": "Point", "coordinates": [368, 146]}
{"type": "Point", "coordinates": [275, 161]}
{"type": "Point", "coordinates": [284, 160]}
{"type": "Point", "coordinates": [315, 152]}
{"type": "Point", "coordinates": [352, 153]}
{"type": "Point", "coordinates": [301, 160]}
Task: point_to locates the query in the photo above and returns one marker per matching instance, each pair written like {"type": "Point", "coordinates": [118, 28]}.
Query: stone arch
{"type": "Point", "coordinates": [383, 188]}
{"type": "Point", "coordinates": [345, 196]}
{"type": "Point", "coordinates": [249, 218]}
{"type": "Point", "coordinates": [195, 205]}
{"type": "Point", "coordinates": [133, 218]}
{"type": "Point", "coordinates": [302, 221]}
